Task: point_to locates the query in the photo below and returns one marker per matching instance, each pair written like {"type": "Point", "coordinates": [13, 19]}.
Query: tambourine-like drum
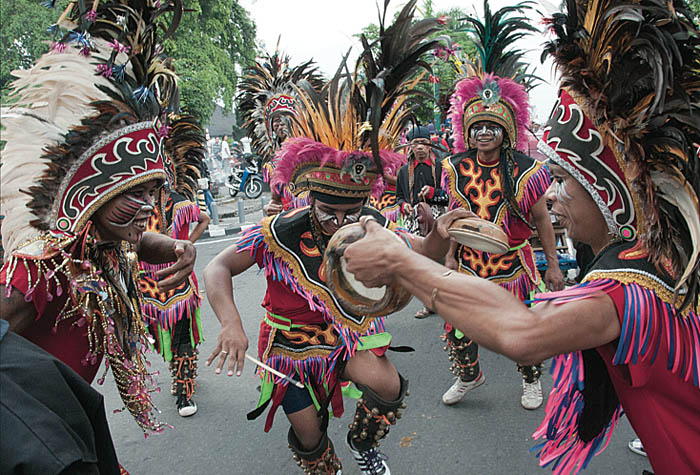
{"type": "Point", "coordinates": [352, 295]}
{"type": "Point", "coordinates": [479, 234]}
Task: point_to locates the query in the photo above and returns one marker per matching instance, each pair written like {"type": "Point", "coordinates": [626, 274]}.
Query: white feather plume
{"type": "Point", "coordinates": [50, 97]}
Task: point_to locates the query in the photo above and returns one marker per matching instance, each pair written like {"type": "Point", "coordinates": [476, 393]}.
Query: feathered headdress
{"type": "Point", "coordinates": [627, 123]}
{"type": "Point", "coordinates": [347, 131]}
{"type": "Point", "coordinates": [185, 145]}
{"type": "Point", "coordinates": [88, 120]}
{"type": "Point", "coordinates": [267, 92]}
{"type": "Point", "coordinates": [497, 81]}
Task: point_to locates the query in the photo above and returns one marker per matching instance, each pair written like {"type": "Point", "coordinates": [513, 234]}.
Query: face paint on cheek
{"type": "Point", "coordinates": [126, 211]}
{"type": "Point", "coordinates": [494, 130]}
{"type": "Point", "coordinates": [561, 193]}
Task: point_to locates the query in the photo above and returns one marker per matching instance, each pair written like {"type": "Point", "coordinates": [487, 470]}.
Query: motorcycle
{"type": "Point", "coordinates": [245, 177]}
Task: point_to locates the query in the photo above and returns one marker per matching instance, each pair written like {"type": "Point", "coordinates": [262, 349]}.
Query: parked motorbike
{"type": "Point", "coordinates": [246, 178]}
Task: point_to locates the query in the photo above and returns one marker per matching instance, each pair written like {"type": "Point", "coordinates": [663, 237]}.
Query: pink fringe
{"type": "Point", "coordinates": [535, 188]}
{"type": "Point", "coordinates": [563, 448]}
{"type": "Point", "coordinates": [511, 91]}
{"type": "Point", "coordinates": [175, 312]}
{"type": "Point", "coordinates": [185, 213]}
{"type": "Point", "coordinates": [647, 320]}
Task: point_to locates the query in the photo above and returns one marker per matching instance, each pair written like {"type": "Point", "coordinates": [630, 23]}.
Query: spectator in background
{"type": "Point", "coordinates": [225, 155]}
{"type": "Point", "coordinates": [534, 134]}
{"type": "Point", "coordinates": [216, 156]}
{"type": "Point", "coordinates": [438, 140]}
{"type": "Point", "coordinates": [209, 141]}
{"type": "Point", "coordinates": [204, 193]}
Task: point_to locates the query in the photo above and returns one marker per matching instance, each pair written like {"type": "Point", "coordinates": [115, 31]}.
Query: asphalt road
{"type": "Point", "coordinates": [487, 433]}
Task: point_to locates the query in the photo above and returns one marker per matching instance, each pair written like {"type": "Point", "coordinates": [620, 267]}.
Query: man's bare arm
{"type": "Point", "coordinates": [232, 340]}
{"type": "Point", "coordinates": [553, 277]}
{"type": "Point", "coordinates": [437, 243]}
{"type": "Point", "coordinates": [200, 227]}
{"type": "Point", "coordinates": [483, 310]}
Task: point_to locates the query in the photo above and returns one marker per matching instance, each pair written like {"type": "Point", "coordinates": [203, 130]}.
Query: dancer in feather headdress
{"type": "Point", "coordinates": [342, 140]}
{"type": "Point", "coordinates": [623, 145]}
{"type": "Point", "coordinates": [81, 166]}
{"type": "Point", "coordinates": [267, 103]}
{"type": "Point", "coordinates": [173, 317]}
{"type": "Point", "coordinates": [492, 177]}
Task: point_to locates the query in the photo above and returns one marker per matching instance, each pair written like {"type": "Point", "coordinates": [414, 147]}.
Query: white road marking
{"type": "Point", "coordinates": [209, 241]}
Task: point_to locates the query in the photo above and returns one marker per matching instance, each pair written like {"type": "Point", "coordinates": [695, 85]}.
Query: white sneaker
{"type": "Point", "coordinates": [460, 389]}
{"type": "Point", "coordinates": [371, 462]}
{"type": "Point", "coordinates": [532, 395]}
{"type": "Point", "coordinates": [186, 407]}
{"type": "Point", "coordinates": [637, 447]}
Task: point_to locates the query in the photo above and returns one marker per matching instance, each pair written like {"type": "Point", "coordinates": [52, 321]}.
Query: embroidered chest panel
{"type": "Point", "coordinates": [288, 236]}
{"type": "Point", "coordinates": [478, 187]}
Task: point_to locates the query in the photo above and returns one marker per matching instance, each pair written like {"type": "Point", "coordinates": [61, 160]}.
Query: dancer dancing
{"type": "Point", "coordinates": [81, 167]}
{"type": "Point", "coordinates": [622, 142]}
{"type": "Point", "coordinates": [491, 177]}
{"type": "Point", "coordinates": [305, 334]}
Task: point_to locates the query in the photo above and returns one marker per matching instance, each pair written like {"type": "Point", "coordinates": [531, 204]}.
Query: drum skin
{"type": "Point", "coordinates": [352, 295]}
{"type": "Point", "coordinates": [479, 234]}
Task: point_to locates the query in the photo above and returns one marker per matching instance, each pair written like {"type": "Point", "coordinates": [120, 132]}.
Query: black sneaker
{"type": "Point", "coordinates": [186, 407]}
{"type": "Point", "coordinates": [371, 462]}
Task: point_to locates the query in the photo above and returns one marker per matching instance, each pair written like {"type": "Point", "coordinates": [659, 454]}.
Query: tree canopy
{"type": "Point", "coordinates": [215, 39]}
{"type": "Point", "coordinates": [212, 45]}
{"type": "Point", "coordinates": [24, 35]}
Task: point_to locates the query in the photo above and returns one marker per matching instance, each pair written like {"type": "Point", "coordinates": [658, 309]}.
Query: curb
{"type": "Point", "coordinates": [227, 231]}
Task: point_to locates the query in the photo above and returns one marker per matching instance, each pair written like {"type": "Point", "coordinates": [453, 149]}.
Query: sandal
{"type": "Point", "coordinates": [423, 313]}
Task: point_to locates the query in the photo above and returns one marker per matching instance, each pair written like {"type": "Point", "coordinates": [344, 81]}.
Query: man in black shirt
{"type": "Point", "coordinates": [419, 182]}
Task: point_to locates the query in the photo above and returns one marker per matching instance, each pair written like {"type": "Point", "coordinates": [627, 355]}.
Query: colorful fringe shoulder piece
{"type": "Point", "coordinates": [649, 318]}
{"type": "Point", "coordinates": [180, 213]}
{"type": "Point", "coordinates": [531, 181]}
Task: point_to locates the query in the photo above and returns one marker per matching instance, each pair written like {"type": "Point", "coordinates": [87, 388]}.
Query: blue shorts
{"type": "Point", "coordinates": [296, 399]}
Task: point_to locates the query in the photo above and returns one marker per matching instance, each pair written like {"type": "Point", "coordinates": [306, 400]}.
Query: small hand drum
{"type": "Point", "coordinates": [479, 234]}
{"type": "Point", "coordinates": [352, 295]}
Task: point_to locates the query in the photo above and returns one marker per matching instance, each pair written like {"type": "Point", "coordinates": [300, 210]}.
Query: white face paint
{"type": "Point", "coordinates": [485, 128]}
{"type": "Point", "coordinates": [560, 191]}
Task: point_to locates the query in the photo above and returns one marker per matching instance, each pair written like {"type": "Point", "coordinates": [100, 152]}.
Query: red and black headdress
{"type": "Point", "coordinates": [88, 120]}
{"type": "Point", "coordinates": [627, 123]}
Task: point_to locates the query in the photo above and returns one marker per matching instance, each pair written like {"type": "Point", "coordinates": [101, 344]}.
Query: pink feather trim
{"type": "Point", "coordinates": [299, 151]}
{"type": "Point", "coordinates": [511, 91]}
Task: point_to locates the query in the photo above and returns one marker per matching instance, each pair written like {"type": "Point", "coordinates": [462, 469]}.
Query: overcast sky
{"type": "Point", "coordinates": [323, 29]}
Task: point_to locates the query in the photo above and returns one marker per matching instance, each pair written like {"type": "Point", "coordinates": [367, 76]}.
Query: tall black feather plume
{"type": "Point", "coordinates": [402, 49]}
{"type": "Point", "coordinates": [494, 37]}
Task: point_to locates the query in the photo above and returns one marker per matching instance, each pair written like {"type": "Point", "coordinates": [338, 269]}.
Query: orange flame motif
{"type": "Point", "coordinates": [484, 266]}
{"type": "Point", "coordinates": [313, 335]}
{"type": "Point", "coordinates": [484, 195]}
{"type": "Point", "coordinates": [384, 201]}
{"type": "Point", "coordinates": [308, 246]}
